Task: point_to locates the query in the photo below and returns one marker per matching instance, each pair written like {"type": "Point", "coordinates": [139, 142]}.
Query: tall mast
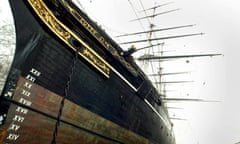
{"type": "Point", "coordinates": [157, 6]}
{"type": "Point", "coordinates": [156, 30]}
{"type": "Point", "coordinates": [176, 57]}
{"type": "Point", "coordinates": [154, 15]}
{"type": "Point", "coordinates": [173, 73]}
{"type": "Point", "coordinates": [162, 38]}
{"type": "Point", "coordinates": [172, 82]}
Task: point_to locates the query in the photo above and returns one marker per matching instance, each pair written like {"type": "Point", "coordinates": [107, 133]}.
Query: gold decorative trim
{"type": "Point", "coordinates": [98, 36]}
{"type": "Point", "coordinates": [66, 35]}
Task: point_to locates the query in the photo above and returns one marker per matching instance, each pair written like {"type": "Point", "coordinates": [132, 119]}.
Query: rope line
{"type": "Point", "coordinates": [63, 99]}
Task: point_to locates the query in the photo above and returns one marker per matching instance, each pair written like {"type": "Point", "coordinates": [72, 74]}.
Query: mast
{"type": "Point", "coordinates": [173, 73]}
{"type": "Point", "coordinates": [174, 108]}
{"type": "Point", "coordinates": [154, 15]}
{"type": "Point", "coordinates": [172, 82]}
{"type": "Point", "coordinates": [173, 118]}
{"type": "Point", "coordinates": [150, 46]}
{"type": "Point", "coordinates": [157, 6]}
{"type": "Point", "coordinates": [176, 57]}
{"type": "Point", "coordinates": [156, 30]}
{"type": "Point", "coordinates": [162, 38]}
{"type": "Point", "coordinates": [185, 100]}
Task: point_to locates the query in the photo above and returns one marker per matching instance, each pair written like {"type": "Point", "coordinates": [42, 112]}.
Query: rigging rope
{"type": "Point", "coordinates": [136, 14]}
{"type": "Point", "coordinates": [63, 99]}
{"type": "Point", "coordinates": [150, 21]}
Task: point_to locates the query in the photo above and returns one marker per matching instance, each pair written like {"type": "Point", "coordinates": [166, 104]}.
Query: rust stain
{"type": "Point", "coordinates": [3, 135]}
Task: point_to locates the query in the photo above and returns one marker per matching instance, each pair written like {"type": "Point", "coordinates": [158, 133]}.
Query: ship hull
{"type": "Point", "coordinates": [36, 114]}
{"type": "Point", "coordinates": [64, 87]}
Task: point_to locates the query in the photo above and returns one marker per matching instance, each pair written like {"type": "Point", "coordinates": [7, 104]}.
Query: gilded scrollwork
{"type": "Point", "coordinates": [96, 61]}
{"type": "Point", "coordinates": [65, 34]}
{"type": "Point", "coordinates": [98, 36]}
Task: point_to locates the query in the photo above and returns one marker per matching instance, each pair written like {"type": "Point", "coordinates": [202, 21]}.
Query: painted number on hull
{"type": "Point", "coordinates": [25, 100]}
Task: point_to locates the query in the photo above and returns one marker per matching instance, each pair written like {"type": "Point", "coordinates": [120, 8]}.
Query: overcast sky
{"type": "Point", "coordinates": [215, 78]}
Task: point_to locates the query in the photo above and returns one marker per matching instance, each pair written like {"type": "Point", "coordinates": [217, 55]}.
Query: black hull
{"type": "Point", "coordinates": [69, 95]}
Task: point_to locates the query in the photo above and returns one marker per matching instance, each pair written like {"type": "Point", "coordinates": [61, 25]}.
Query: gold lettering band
{"type": "Point", "coordinates": [100, 38]}
{"type": "Point", "coordinates": [66, 35]}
